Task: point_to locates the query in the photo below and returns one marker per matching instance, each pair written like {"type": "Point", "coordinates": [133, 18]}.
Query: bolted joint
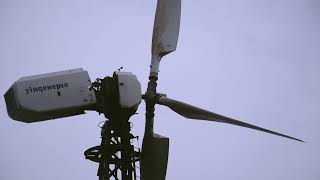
{"type": "Point", "coordinates": [150, 99]}
{"type": "Point", "coordinates": [150, 95]}
{"type": "Point", "coordinates": [159, 95]}
{"type": "Point", "coordinates": [150, 105]}
{"type": "Point", "coordinates": [152, 84]}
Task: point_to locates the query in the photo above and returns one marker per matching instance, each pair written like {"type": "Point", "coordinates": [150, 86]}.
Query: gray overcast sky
{"type": "Point", "coordinates": [257, 61]}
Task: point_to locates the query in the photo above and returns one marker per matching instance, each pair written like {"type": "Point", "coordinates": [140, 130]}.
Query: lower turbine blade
{"type": "Point", "coordinates": [154, 158]}
{"type": "Point", "coordinates": [192, 112]}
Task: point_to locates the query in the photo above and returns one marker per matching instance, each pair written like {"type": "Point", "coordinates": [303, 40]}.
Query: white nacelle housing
{"type": "Point", "coordinates": [129, 90]}
{"type": "Point", "coordinates": [50, 96]}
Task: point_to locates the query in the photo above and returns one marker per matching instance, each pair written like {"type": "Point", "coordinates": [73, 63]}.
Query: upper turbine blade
{"type": "Point", "coordinates": [192, 112]}
{"type": "Point", "coordinates": [165, 30]}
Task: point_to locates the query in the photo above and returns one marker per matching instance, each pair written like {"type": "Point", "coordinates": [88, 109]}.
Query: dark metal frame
{"type": "Point", "coordinates": [116, 155]}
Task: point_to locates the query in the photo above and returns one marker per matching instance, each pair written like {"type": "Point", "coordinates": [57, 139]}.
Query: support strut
{"type": "Point", "coordinates": [116, 155]}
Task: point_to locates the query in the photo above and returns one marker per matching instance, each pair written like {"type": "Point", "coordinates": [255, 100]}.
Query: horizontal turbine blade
{"type": "Point", "coordinates": [192, 112]}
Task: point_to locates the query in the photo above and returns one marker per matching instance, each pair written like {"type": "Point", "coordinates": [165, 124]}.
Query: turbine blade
{"type": "Point", "coordinates": [192, 112]}
{"type": "Point", "coordinates": [165, 30]}
{"type": "Point", "coordinates": [155, 151]}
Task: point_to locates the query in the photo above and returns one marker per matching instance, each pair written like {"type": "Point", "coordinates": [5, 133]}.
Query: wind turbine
{"type": "Point", "coordinates": [67, 93]}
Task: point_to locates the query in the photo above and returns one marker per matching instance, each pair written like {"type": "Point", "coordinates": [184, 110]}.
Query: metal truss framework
{"type": "Point", "coordinates": [116, 155]}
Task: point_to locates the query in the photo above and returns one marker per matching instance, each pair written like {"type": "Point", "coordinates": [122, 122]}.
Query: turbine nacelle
{"type": "Point", "coordinates": [68, 93]}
